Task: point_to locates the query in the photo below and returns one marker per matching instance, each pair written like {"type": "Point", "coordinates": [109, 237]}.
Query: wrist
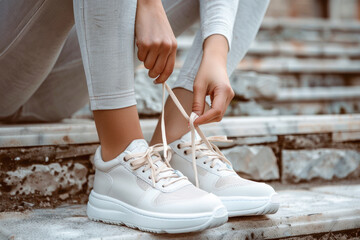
{"type": "Point", "coordinates": [215, 47]}
{"type": "Point", "coordinates": [149, 2]}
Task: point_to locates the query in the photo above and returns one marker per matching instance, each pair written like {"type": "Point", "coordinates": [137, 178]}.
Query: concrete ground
{"type": "Point", "coordinates": [306, 212]}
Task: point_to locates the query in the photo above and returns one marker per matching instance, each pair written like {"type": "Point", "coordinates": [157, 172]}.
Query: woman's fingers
{"type": "Point", "coordinates": [199, 97]}
{"type": "Point", "coordinates": [159, 58]}
{"type": "Point", "coordinates": [142, 50]}
{"type": "Point", "coordinates": [215, 113]}
{"type": "Point", "coordinates": [221, 99]}
{"type": "Point", "coordinates": [169, 68]}
{"type": "Point", "coordinates": [160, 62]}
{"type": "Point", "coordinates": [151, 58]}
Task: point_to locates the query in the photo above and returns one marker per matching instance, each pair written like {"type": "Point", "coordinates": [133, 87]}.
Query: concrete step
{"type": "Point", "coordinates": [306, 212]}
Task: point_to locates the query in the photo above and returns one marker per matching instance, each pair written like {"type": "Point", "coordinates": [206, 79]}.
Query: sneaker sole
{"type": "Point", "coordinates": [109, 210]}
{"type": "Point", "coordinates": [250, 206]}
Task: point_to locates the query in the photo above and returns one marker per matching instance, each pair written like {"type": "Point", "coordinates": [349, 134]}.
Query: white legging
{"type": "Point", "coordinates": [42, 71]}
{"type": "Point", "coordinates": [106, 37]}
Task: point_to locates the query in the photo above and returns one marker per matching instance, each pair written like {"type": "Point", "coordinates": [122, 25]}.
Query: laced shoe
{"type": "Point", "coordinates": [205, 166]}
{"type": "Point", "coordinates": [140, 189]}
{"type": "Point", "coordinates": [215, 174]}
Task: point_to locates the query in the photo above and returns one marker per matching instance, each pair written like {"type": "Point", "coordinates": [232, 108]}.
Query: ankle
{"type": "Point", "coordinates": [110, 152]}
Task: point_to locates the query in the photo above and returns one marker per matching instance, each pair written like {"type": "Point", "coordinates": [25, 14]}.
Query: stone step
{"type": "Point", "coordinates": [83, 131]}
{"type": "Point", "coordinates": [290, 48]}
{"type": "Point", "coordinates": [310, 30]}
{"type": "Point", "coordinates": [268, 88]}
{"type": "Point", "coordinates": [276, 65]}
{"type": "Point", "coordinates": [318, 31]}
{"type": "Point", "coordinates": [265, 108]}
{"type": "Point", "coordinates": [49, 164]}
{"type": "Point", "coordinates": [318, 94]}
{"type": "Point", "coordinates": [306, 212]}
{"type": "Point", "coordinates": [311, 24]}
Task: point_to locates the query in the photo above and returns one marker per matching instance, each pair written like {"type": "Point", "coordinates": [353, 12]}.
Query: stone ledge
{"type": "Point", "coordinates": [76, 131]}
{"type": "Point", "coordinates": [310, 24]}
{"type": "Point", "coordinates": [289, 48]}
{"type": "Point", "coordinates": [275, 65]}
{"type": "Point", "coordinates": [318, 210]}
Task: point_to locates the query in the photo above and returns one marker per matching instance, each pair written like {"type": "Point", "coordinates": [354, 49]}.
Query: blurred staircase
{"type": "Point", "coordinates": [295, 122]}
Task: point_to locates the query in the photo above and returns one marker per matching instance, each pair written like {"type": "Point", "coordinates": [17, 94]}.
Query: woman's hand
{"type": "Point", "coordinates": [212, 79]}
{"type": "Point", "coordinates": [155, 39]}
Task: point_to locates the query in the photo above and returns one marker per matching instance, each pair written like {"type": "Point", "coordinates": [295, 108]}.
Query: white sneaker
{"type": "Point", "coordinates": [215, 175]}
{"type": "Point", "coordinates": [139, 189]}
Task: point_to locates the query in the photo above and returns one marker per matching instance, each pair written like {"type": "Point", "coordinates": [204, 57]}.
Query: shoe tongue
{"type": "Point", "coordinates": [187, 137]}
{"type": "Point", "coordinates": [137, 146]}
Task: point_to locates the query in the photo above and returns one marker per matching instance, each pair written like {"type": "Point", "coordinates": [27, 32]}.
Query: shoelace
{"type": "Point", "coordinates": [149, 159]}
{"type": "Point", "coordinates": [212, 156]}
{"type": "Point", "coordinates": [210, 150]}
{"type": "Point", "coordinates": [151, 156]}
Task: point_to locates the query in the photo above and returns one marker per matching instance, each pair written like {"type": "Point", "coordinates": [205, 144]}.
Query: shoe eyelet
{"type": "Point", "coordinates": [178, 146]}
{"type": "Point", "coordinates": [124, 159]}
{"type": "Point", "coordinates": [149, 177]}
{"type": "Point", "coordinates": [196, 158]}
{"type": "Point", "coordinates": [163, 186]}
{"type": "Point", "coordinates": [211, 167]}
{"type": "Point", "coordinates": [204, 162]}
{"type": "Point", "coordinates": [143, 170]}
{"type": "Point", "coordinates": [131, 165]}
{"type": "Point", "coordinates": [185, 152]}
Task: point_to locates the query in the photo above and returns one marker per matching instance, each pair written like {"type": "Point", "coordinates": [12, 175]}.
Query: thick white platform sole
{"type": "Point", "coordinates": [250, 206]}
{"type": "Point", "coordinates": [110, 210]}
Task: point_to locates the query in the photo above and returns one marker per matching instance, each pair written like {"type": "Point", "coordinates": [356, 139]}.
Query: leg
{"type": "Point", "coordinates": [30, 43]}
{"type": "Point", "coordinates": [107, 49]}
{"type": "Point", "coordinates": [62, 93]}
{"type": "Point", "coordinates": [247, 23]}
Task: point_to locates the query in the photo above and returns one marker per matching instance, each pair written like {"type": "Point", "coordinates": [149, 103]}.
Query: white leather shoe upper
{"type": "Point", "coordinates": [140, 178]}
{"type": "Point", "coordinates": [214, 175]}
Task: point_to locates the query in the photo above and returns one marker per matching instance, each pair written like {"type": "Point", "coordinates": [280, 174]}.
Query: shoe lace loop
{"type": "Point", "coordinates": [215, 152]}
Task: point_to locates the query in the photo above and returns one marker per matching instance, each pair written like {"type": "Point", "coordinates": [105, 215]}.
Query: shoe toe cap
{"type": "Point", "coordinates": [252, 190]}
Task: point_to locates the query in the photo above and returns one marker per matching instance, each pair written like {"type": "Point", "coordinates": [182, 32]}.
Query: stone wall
{"type": "Point", "coordinates": [47, 176]}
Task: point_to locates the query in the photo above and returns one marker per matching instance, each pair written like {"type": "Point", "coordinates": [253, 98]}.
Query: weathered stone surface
{"type": "Point", "coordinates": [274, 108]}
{"type": "Point", "coordinates": [84, 132]}
{"type": "Point", "coordinates": [247, 85]}
{"type": "Point", "coordinates": [308, 141]}
{"type": "Point", "coordinates": [250, 85]}
{"type": "Point", "coordinates": [302, 213]}
{"type": "Point", "coordinates": [345, 136]}
{"type": "Point", "coordinates": [248, 141]}
{"type": "Point", "coordinates": [148, 95]}
{"type": "Point", "coordinates": [326, 164]}
{"type": "Point", "coordinates": [256, 162]}
{"type": "Point", "coordinates": [46, 179]}
{"type": "Point", "coordinates": [250, 108]}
